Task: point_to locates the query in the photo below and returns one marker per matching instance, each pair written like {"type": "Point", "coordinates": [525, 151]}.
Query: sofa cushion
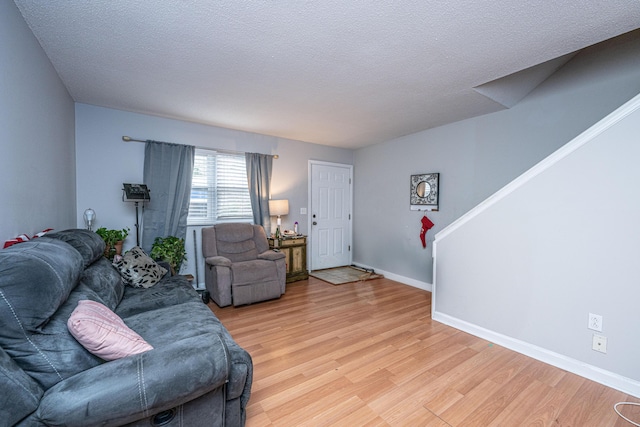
{"type": "Point", "coordinates": [103, 333]}
{"type": "Point", "coordinates": [170, 291]}
{"type": "Point", "coordinates": [168, 324]}
{"type": "Point", "coordinates": [105, 281]}
{"type": "Point", "coordinates": [255, 271]}
{"type": "Point", "coordinates": [236, 241]}
{"type": "Point", "coordinates": [89, 244]}
{"type": "Point", "coordinates": [50, 354]}
{"type": "Point", "coordinates": [36, 278]}
{"type": "Point", "coordinates": [138, 269]}
{"type": "Point", "coordinates": [238, 251]}
{"type": "Point", "coordinates": [19, 393]}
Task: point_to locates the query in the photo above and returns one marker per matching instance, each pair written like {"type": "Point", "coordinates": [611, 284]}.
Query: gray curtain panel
{"type": "Point", "coordinates": [168, 169]}
{"type": "Point", "coordinates": [259, 176]}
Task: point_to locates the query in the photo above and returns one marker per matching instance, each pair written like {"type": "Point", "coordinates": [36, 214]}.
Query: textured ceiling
{"type": "Point", "coordinates": [334, 72]}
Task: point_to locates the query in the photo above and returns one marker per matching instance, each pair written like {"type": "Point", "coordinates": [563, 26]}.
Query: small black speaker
{"type": "Point", "coordinates": [205, 297]}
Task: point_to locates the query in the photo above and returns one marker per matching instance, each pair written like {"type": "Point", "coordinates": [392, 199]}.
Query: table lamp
{"type": "Point", "coordinates": [277, 208]}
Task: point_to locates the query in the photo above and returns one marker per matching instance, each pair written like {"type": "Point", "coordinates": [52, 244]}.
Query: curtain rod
{"type": "Point", "coordinates": [129, 139]}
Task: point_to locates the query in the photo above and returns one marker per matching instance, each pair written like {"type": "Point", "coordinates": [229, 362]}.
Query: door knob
{"type": "Point", "coordinates": [315, 223]}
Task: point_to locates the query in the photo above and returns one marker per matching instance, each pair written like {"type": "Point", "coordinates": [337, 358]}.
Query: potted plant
{"type": "Point", "coordinates": [171, 250]}
{"type": "Point", "coordinates": [113, 240]}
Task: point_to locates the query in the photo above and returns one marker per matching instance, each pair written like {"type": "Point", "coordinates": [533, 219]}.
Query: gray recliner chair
{"type": "Point", "coordinates": [239, 266]}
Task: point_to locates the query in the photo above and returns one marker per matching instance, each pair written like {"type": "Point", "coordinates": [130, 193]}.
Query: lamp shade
{"type": "Point", "coordinates": [278, 207]}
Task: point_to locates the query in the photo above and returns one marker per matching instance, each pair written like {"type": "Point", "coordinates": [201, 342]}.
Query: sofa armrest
{"type": "Point", "coordinates": [218, 261]}
{"type": "Point", "coordinates": [138, 386]}
{"type": "Point", "coordinates": [271, 255]}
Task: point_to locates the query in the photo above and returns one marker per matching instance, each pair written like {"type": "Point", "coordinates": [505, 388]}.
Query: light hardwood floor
{"type": "Point", "coordinates": [368, 354]}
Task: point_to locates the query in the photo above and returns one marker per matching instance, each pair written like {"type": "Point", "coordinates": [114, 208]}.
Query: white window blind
{"type": "Point", "coordinates": [219, 189]}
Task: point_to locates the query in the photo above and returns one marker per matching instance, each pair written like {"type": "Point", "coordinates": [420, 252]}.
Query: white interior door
{"type": "Point", "coordinates": [330, 214]}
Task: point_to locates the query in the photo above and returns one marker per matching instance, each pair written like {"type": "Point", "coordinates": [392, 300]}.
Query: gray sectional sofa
{"type": "Point", "coordinates": [195, 375]}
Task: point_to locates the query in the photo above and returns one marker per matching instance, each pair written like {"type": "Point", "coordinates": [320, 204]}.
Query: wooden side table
{"type": "Point", "coordinates": [295, 252]}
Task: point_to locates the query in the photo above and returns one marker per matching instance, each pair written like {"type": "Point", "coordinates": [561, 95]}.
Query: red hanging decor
{"type": "Point", "coordinates": [426, 225]}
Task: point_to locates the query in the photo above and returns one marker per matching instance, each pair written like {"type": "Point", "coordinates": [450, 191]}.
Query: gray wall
{"type": "Point", "coordinates": [554, 246]}
{"type": "Point", "coordinates": [476, 157]}
{"type": "Point", "coordinates": [105, 162]}
{"type": "Point", "coordinates": [36, 135]}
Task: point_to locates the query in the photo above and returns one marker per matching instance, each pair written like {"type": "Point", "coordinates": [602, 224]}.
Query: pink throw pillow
{"type": "Point", "coordinates": [103, 333]}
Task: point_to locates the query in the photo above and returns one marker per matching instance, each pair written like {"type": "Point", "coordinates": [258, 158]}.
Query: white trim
{"type": "Point", "coordinates": [401, 279]}
{"type": "Point", "coordinates": [607, 378]}
{"type": "Point", "coordinates": [544, 164]}
{"type": "Point", "coordinates": [434, 250]}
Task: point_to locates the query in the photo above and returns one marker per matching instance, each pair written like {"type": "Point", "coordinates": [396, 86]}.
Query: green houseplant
{"type": "Point", "coordinates": [113, 240]}
{"type": "Point", "coordinates": [170, 249]}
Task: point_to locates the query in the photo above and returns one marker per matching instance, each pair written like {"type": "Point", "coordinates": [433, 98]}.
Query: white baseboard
{"type": "Point", "coordinates": [396, 277]}
{"type": "Point", "coordinates": [607, 378]}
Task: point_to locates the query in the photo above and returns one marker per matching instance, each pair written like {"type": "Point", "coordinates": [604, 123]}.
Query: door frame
{"type": "Point", "coordinates": [311, 163]}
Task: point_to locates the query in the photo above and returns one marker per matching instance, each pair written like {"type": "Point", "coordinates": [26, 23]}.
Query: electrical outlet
{"type": "Point", "coordinates": [599, 343]}
{"type": "Point", "coordinates": [595, 322]}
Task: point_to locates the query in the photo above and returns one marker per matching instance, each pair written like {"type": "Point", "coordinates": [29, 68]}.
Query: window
{"type": "Point", "coordinates": [219, 189]}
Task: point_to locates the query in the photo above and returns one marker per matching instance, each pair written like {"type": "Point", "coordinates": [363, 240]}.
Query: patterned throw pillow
{"type": "Point", "coordinates": [138, 269]}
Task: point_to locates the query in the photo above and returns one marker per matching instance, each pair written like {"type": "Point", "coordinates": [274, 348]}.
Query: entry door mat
{"type": "Point", "coordinates": [346, 274]}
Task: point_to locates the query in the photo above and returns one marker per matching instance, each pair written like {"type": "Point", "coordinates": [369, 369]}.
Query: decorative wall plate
{"type": "Point", "coordinates": [423, 194]}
